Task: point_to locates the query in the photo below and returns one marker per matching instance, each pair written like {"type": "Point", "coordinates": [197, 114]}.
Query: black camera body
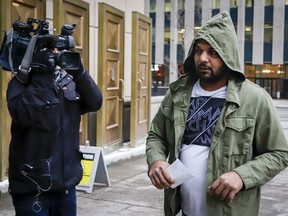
{"type": "Point", "coordinates": [16, 42]}
{"type": "Point", "coordinates": [63, 41]}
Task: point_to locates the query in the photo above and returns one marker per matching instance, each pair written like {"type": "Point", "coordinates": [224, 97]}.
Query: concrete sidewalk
{"type": "Point", "coordinates": [131, 192]}
{"type": "Point", "coordinates": [281, 103]}
{"type": "Point", "coordinates": [117, 156]}
{"type": "Point", "coordinates": [121, 169]}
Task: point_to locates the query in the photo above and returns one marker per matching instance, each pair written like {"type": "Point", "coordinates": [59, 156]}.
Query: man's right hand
{"type": "Point", "coordinates": [159, 175]}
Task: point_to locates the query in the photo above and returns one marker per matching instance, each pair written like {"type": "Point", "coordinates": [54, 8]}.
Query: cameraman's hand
{"type": "Point", "coordinates": [43, 60]}
{"type": "Point", "coordinates": [71, 63]}
{"type": "Point", "coordinates": [76, 73]}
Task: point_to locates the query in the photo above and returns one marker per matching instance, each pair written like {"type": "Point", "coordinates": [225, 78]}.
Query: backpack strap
{"type": "Point", "coordinates": [10, 40]}
{"type": "Point", "coordinates": [24, 68]}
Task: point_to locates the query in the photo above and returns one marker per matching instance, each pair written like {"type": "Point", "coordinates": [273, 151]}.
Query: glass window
{"type": "Point", "coordinates": [167, 36]}
{"type": "Point", "coordinates": [181, 22]}
{"type": "Point", "coordinates": [286, 2]}
{"type": "Point", "coordinates": [181, 36]}
{"type": "Point", "coordinates": [248, 33]}
{"type": "Point", "coordinates": [198, 13]}
{"type": "Point", "coordinates": [269, 2]}
{"type": "Point", "coordinates": [158, 75]}
{"type": "Point", "coordinates": [233, 3]}
{"type": "Point", "coordinates": [285, 68]}
{"type": "Point", "coordinates": [250, 70]}
{"type": "Point", "coordinates": [181, 4]}
{"type": "Point", "coordinates": [196, 29]}
{"type": "Point", "coordinates": [268, 33]}
{"type": "Point", "coordinates": [167, 6]}
{"type": "Point", "coordinates": [270, 71]}
{"type": "Point", "coordinates": [181, 15]}
{"type": "Point", "coordinates": [153, 34]}
{"type": "Point", "coordinates": [216, 4]}
{"type": "Point", "coordinates": [152, 6]}
{"type": "Point", "coordinates": [249, 3]}
{"type": "Point", "coordinates": [286, 32]}
{"type": "Point", "coordinates": [167, 19]}
{"type": "Point", "coordinates": [198, 3]}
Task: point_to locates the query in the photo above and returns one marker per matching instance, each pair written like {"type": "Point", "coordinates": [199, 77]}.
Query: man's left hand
{"type": "Point", "coordinates": [226, 186]}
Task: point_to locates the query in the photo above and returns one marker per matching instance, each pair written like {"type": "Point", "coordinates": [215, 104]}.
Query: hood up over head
{"type": "Point", "coordinates": [219, 32]}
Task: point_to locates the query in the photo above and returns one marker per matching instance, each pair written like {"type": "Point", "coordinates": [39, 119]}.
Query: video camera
{"type": "Point", "coordinates": [16, 46]}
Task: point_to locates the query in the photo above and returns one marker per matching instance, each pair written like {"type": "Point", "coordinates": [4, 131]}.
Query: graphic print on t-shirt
{"type": "Point", "coordinates": [202, 117]}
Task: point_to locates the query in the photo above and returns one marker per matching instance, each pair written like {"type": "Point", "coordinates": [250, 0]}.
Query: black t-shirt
{"type": "Point", "coordinates": [202, 117]}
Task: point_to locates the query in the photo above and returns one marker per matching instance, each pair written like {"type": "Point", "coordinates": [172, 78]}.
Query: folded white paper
{"type": "Point", "coordinates": [179, 173]}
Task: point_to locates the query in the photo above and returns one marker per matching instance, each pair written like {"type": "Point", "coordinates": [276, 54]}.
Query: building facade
{"type": "Point", "coordinates": [262, 31]}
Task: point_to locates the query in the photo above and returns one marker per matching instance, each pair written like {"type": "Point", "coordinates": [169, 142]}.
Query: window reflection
{"type": "Point", "coordinates": [268, 33]}
{"type": "Point", "coordinates": [248, 33]}
{"type": "Point", "coordinates": [233, 3]}
{"type": "Point", "coordinates": [249, 3]}
{"type": "Point", "coordinates": [216, 4]}
{"type": "Point", "coordinates": [269, 2]}
{"type": "Point", "coordinates": [152, 6]}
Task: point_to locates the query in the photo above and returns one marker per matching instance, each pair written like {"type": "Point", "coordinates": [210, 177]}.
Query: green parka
{"type": "Point", "coordinates": [248, 137]}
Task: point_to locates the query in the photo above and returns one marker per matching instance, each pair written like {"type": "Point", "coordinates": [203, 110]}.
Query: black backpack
{"type": "Point", "coordinates": [14, 46]}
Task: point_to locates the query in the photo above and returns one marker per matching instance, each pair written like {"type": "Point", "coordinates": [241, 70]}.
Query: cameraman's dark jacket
{"type": "Point", "coordinates": [44, 150]}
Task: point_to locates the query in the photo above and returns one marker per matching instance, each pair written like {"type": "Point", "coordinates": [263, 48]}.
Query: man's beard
{"type": "Point", "coordinates": [213, 78]}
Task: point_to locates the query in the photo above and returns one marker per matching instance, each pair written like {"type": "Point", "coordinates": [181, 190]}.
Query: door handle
{"type": "Point", "coordinates": [121, 89]}
{"type": "Point", "coordinates": [139, 89]}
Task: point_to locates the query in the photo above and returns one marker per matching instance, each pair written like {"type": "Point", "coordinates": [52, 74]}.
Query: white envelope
{"type": "Point", "coordinates": [179, 173]}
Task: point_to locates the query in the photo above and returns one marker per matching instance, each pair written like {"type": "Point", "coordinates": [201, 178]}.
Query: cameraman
{"type": "Point", "coordinates": [44, 157]}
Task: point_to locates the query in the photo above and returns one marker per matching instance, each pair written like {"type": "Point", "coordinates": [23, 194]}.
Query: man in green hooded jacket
{"type": "Point", "coordinates": [222, 127]}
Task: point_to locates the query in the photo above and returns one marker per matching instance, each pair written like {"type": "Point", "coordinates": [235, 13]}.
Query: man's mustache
{"type": "Point", "coordinates": [204, 67]}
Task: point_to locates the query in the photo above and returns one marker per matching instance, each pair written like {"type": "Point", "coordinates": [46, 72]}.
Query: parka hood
{"type": "Point", "coordinates": [219, 32]}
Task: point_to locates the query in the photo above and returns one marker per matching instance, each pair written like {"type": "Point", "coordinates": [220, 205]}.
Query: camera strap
{"type": "Point", "coordinates": [9, 40]}
{"type": "Point", "coordinates": [24, 68]}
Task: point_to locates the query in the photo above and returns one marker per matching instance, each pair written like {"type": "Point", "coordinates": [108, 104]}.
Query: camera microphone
{"type": "Point", "coordinates": [68, 29]}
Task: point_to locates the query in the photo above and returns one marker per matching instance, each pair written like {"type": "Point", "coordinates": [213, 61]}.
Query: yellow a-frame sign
{"type": "Point", "coordinates": [94, 169]}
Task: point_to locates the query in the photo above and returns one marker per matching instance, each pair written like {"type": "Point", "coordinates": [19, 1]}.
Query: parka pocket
{"type": "Point", "coordinates": [238, 139]}
{"type": "Point", "coordinates": [244, 201]}
{"type": "Point", "coordinates": [168, 112]}
{"type": "Point", "coordinates": [239, 124]}
{"type": "Point", "coordinates": [38, 174]}
{"type": "Point", "coordinates": [42, 106]}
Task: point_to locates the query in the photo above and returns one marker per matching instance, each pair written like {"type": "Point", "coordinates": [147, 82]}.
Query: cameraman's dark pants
{"type": "Point", "coordinates": [53, 204]}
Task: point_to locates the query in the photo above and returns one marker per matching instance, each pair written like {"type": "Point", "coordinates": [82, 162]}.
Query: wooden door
{"type": "Point", "coordinates": [110, 75]}
{"type": "Point", "coordinates": [141, 77]}
{"type": "Point", "coordinates": [75, 12]}
{"type": "Point", "coordinates": [11, 11]}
